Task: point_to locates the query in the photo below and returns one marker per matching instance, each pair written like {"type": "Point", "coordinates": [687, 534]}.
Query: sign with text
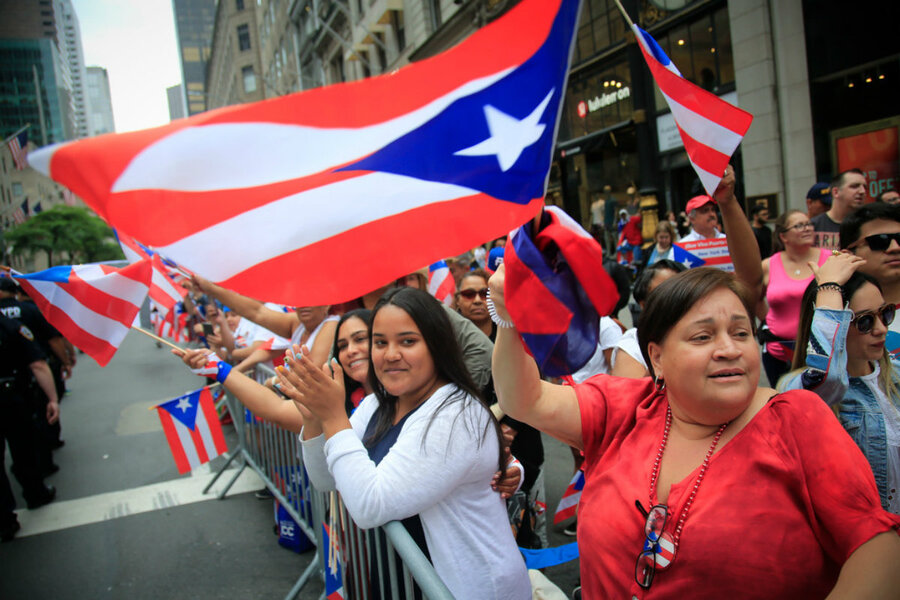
{"type": "Point", "coordinates": [876, 153]}
{"type": "Point", "coordinates": [704, 253]}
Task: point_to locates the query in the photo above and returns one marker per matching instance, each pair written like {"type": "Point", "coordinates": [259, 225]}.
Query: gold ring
{"type": "Point", "coordinates": [835, 252]}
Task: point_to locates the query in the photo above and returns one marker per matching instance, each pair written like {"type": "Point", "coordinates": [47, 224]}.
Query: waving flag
{"type": "Point", "coordinates": [192, 429]}
{"type": "Point", "coordinates": [310, 182]}
{"type": "Point", "coordinates": [710, 127]}
{"type": "Point", "coordinates": [556, 290]}
{"type": "Point", "coordinates": [163, 289]}
{"type": "Point", "coordinates": [92, 306]}
{"type": "Point", "coordinates": [569, 501]}
{"type": "Point", "coordinates": [20, 213]}
{"type": "Point", "coordinates": [18, 147]}
{"type": "Point", "coordinates": [440, 282]}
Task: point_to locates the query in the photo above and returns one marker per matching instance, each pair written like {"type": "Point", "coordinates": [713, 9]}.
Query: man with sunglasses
{"type": "Point", "coordinates": [848, 192]}
{"type": "Point", "coordinates": [873, 233]}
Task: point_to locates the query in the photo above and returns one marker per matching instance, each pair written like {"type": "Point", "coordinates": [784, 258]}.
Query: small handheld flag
{"type": "Point", "coordinates": [192, 429]}
{"type": "Point", "coordinates": [92, 306]}
{"type": "Point", "coordinates": [569, 501]}
{"type": "Point", "coordinates": [440, 282]}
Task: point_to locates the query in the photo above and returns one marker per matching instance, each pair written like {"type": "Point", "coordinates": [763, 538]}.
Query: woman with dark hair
{"type": "Point", "coordinates": [785, 275]}
{"type": "Point", "coordinates": [350, 349]}
{"type": "Point", "coordinates": [422, 448]}
{"type": "Point", "coordinates": [698, 482]}
{"type": "Point", "coordinates": [841, 356]}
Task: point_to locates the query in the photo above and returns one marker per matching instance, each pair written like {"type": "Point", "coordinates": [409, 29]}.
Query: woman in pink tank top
{"type": "Point", "coordinates": [785, 276]}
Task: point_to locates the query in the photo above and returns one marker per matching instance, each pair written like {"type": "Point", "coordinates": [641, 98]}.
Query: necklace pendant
{"type": "Point", "coordinates": [796, 271]}
{"type": "Point", "coordinates": [665, 552]}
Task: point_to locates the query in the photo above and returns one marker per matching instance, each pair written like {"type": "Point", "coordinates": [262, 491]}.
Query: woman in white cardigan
{"type": "Point", "coordinates": [423, 445]}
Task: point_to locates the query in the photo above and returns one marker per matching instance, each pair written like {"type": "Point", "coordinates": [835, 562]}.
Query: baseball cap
{"type": "Point", "coordinates": [698, 201]}
{"type": "Point", "coordinates": [821, 192]}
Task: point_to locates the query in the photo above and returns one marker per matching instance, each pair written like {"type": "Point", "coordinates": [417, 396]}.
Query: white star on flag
{"type": "Point", "coordinates": [509, 135]}
{"type": "Point", "coordinates": [184, 404]}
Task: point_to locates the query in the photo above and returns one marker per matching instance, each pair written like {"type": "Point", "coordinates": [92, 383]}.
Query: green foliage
{"type": "Point", "coordinates": [72, 234]}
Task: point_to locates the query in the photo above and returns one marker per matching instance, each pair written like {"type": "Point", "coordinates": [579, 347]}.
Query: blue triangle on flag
{"type": "Point", "coordinates": [184, 408]}
{"type": "Point", "coordinates": [680, 255]}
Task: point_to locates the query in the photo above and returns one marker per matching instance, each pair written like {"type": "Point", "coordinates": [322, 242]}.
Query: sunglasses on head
{"type": "Point", "coordinates": [865, 321]}
{"type": "Point", "coordinates": [470, 294]}
{"type": "Point", "coordinates": [879, 242]}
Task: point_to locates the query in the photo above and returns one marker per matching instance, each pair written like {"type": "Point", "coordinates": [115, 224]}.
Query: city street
{"type": "Point", "coordinates": [125, 525]}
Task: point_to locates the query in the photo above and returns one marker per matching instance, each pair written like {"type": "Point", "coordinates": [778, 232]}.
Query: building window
{"type": "Point", "coordinates": [17, 189]}
{"type": "Point", "coordinates": [243, 33]}
{"type": "Point", "coordinates": [239, 4]}
{"type": "Point", "coordinates": [433, 7]}
{"type": "Point", "coordinates": [249, 79]}
{"type": "Point", "coordinates": [399, 29]}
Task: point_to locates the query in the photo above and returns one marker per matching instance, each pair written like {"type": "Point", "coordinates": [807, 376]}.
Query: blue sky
{"type": "Point", "coordinates": [135, 41]}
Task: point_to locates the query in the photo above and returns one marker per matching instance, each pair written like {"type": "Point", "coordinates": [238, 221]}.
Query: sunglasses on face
{"type": "Point", "coordinates": [879, 242]}
{"type": "Point", "coordinates": [470, 294]}
{"type": "Point", "coordinates": [865, 321]}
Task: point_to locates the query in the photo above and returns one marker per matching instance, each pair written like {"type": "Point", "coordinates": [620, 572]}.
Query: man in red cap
{"type": "Point", "coordinates": [701, 212]}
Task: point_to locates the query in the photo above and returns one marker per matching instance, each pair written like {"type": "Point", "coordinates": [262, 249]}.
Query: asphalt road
{"type": "Point", "coordinates": [125, 525]}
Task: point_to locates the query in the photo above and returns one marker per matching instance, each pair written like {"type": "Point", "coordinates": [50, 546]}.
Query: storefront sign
{"type": "Point", "coordinates": [667, 132]}
{"type": "Point", "coordinates": [876, 153]}
{"type": "Point", "coordinates": [597, 102]}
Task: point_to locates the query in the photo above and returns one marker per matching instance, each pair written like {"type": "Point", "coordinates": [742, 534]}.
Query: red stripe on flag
{"type": "Point", "coordinates": [197, 439]}
{"type": "Point", "coordinates": [181, 459]}
{"type": "Point", "coordinates": [707, 158]}
{"type": "Point", "coordinates": [98, 301]}
{"type": "Point", "coordinates": [208, 406]}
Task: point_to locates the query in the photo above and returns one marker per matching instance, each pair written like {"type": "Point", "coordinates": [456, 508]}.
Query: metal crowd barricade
{"type": "Point", "coordinates": [368, 573]}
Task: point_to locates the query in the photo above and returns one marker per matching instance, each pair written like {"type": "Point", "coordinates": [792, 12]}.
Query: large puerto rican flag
{"type": "Point", "coordinates": [192, 429]}
{"type": "Point", "coordinates": [710, 127]}
{"type": "Point", "coordinates": [163, 289]}
{"type": "Point", "coordinates": [323, 181]}
{"type": "Point", "coordinates": [92, 306]}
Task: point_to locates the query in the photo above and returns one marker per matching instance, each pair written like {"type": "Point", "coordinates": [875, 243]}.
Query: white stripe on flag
{"type": "Point", "coordinates": [270, 152]}
{"type": "Point", "coordinates": [187, 442]}
{"type": "Point", "coordinates": [131, 255]}
{"type": "Point", "coordinates": [568, 502]}
{"type": "Point", "coordinates": [94, 323]}
{"type": "Point", "coordinates": [113, 284]}
{"type": "Point", "coordinates": [327, 211]}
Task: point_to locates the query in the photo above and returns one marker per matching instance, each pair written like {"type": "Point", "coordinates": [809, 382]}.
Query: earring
{"type": "Point", "coordinates": [659, 383]}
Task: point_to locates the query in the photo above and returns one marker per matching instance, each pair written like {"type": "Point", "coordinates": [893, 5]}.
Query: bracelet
{"type": "Point", "coordinates": [224, 370]}
{"type": "Point", "coordinates": [830, 285]}
{"type": "Point", "coordinates": [496, 318]}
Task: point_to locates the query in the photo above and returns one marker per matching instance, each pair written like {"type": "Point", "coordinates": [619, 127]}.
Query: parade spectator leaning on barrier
{"type": "Point", "coordinates": [781, 479]}
{"type": "Point", "coordinates": [785, 277]}
{"type": "Point", "coordinates": [873, 233]}
{"type": "Point", "coordinates": [841, 357]}
{"type": "Point", "coordinates": [424, 445]}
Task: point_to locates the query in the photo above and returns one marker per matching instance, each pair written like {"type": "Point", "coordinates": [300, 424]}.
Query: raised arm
{"type": "Point", "coordinates": [278, 322]}
{"type": "Point", "coordinates": [742, 244]}
{"type": "Point", "coordinates": [520, 392]}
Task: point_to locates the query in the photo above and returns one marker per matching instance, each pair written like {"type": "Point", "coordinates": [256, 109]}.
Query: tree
{"type": "Point", "coordinates": [71, 233]}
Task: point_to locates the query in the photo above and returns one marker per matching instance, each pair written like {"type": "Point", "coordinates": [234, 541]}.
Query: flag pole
{"type": "Point", "coordinates": [625, 14]}
{"type": "Point", "coordinates": [7, 140]}
{"type": "Point", "coordinates": [157, 338]}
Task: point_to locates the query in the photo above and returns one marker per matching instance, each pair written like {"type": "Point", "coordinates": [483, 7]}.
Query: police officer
{"type": "Point", "coordinates": [20, 358]}
{"type": "Point", "coordinates": [54, 347]}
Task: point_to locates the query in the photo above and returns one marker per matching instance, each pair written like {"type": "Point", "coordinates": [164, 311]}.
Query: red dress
{"type": "Point", "coordinates": [781, 507]}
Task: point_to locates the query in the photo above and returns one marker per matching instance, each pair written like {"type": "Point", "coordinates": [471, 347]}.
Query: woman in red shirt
{"type": "Point", "coordinates": [700, 484]}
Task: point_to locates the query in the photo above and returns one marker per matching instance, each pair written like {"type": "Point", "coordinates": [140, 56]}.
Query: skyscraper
{"type": "Point", "coordinates": [69, 33]}
{"type": "Point", "coordinates": [194, 20]}
{"type": "Point", "coordinates": [99, 102]}
{"type": "Point", "coordinates": [175, 95]}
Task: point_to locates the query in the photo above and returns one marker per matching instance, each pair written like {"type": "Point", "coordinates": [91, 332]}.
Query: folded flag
{"type": "Point", "coordinates": [92, 306]}
{"type": "Point", "coordinates": [440, 282]}
{"type": "Point", "coordinates": [192, 429]}
{"type": "Point", "coordinates": [569, 501]}
{"type": "Point", "coordinates": [163, 289]}
{"type": "Point", "coordinates": [334, 580]}
{"type": "Point", "coordinates": [310, 182]}
{"type": "Point", "coordinates": [556, 290]}
{"type": "Point", "coordinates": [710, 127]}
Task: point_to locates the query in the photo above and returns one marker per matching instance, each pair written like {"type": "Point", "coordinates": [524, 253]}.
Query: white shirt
{"type": "Point", "coordinates": [628, 344]}
{"type": "Point", "coordinates": [610, 334]}
{"type": "Point", "coordinates": [446, 481]}
{"type": "Point", "coordinates": [693, 236]}
{"type": "Point", "coordinates": [892, 433]}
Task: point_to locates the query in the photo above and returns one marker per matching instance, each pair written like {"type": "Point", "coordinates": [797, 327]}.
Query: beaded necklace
{"type": "Point", "coordinates": [655, 475]}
